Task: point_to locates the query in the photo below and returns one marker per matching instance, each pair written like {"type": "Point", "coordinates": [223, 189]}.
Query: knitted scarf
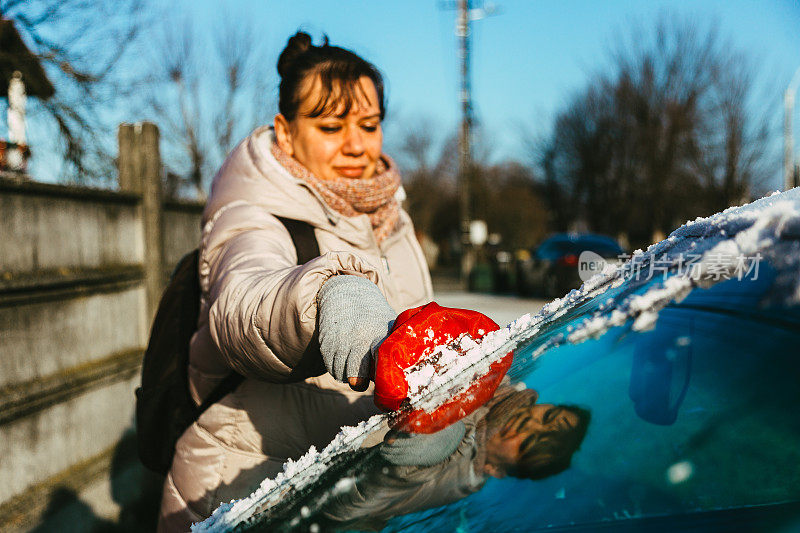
{"type": "Point", "coordinates": [351, 197]}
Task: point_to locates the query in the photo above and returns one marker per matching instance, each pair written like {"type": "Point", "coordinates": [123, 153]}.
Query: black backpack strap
{"type": "Point", "coordinates": [307, 247]}
{"type": "Point", "coordinates": [305, 243]}
{"type": "Point", "coordinates": [223, 388]}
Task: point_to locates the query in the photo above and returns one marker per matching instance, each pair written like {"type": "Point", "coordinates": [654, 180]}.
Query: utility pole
{"type": "Point", "coordinates": [789, 172]}
{"type": "Point", "coordinates": [466, 14]}
{"type": "Point", "coordinates": [464, 141]}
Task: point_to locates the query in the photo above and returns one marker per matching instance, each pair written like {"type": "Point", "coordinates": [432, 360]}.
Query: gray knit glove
{"type": "Point", "coordinates": [422, 449]}
{"type": "Point", "coordinates": [354, 317]}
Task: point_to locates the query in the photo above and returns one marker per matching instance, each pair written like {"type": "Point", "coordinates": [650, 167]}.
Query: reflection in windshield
{"type": "Point", "coordinates": [512, 435]}
{"type": "Point", "coordinates": [660, 376]}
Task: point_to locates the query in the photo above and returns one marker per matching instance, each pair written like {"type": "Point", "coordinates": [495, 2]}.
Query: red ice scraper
{"type": "Point", "coordinates": [413, 338]}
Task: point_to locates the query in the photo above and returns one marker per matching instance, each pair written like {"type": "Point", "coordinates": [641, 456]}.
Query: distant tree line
{"type": "Point", "coordinates": [505, 195]}
{"type": "Point", "coordinates": [672, 130]}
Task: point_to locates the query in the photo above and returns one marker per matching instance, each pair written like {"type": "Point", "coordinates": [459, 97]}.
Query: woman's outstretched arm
{"type": "Point", "coordinates": [262, 305]}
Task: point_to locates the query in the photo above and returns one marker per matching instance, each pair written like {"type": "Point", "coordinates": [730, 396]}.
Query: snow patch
{"type": "Point", "coordinates": [767, 227]}
{"type": "Point", "coordinates": [295, 476]}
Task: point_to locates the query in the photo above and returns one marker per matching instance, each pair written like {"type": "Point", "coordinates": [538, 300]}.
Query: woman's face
{"type": "Point", "coordinates": [332, 146]}
{"type": "Point", "coordinates": [520, 431]}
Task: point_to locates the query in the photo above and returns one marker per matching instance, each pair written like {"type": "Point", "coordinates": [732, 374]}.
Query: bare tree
{"type": "Point", "coordinates": [206, 99]}
{"type": "Point", "coordinates": [82, 45]}
{"type": "Point", "coordinates": [505, 195]}
{"type": "Point", "coordinates": [416, 146]}
{"type": "Point", "coordinates": [509, 200]}
{"type": "Point", "coordinates": [430, 184]}
{"type": "Point", "coordinates": [672, 132]}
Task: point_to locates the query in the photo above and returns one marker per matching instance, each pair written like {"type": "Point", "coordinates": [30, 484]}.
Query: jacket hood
{"type": "Point", "coordinates": [252, 172]}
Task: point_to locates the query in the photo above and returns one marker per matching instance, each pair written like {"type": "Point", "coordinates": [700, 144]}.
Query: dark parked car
{"type": "Point", "coordinates": [554, 266]}
{"type": "Point", "coordinates": [687, 359]}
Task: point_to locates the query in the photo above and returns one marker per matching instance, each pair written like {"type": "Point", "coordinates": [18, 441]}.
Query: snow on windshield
{"type": "Point", "coordinates": [295, 476]}
{"type": "Point", "coordinates": [746, 230]}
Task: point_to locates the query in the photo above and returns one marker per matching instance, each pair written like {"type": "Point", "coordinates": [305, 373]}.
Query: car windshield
{"type": "Point", "coordinates": [684, 360]}
{"type": "Point", "coordinates": [560, 246]}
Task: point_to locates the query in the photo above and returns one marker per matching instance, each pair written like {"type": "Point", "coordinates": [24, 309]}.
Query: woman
{"type": "Point", "coordinates": [301, 335]}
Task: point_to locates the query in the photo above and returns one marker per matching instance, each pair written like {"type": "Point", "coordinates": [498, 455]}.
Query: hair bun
{"type": "Point", "coordinates": [298, 44]}
{"type": "Point", "coordinates": [338, 68]}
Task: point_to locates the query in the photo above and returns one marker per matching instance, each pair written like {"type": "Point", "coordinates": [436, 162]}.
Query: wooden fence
{"type": "Point", "coordinates": [81, 271]}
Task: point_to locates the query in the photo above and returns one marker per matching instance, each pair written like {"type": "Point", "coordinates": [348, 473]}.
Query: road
{"type": "Point", "coordinates": [501, 309]}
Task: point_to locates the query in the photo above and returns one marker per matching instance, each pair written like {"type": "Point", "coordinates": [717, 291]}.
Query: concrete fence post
{"type": "Point", "coordinates": [127, 159]}
{"type": "Point", "coordinates": [140, 172]}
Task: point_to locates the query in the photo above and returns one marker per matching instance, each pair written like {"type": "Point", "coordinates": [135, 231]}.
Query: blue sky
{"type": "Point", "coordinates": [527, 59]}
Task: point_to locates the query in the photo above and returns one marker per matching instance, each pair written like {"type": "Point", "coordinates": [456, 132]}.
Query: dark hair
{"type": "Point", "coordinates": [338, 69]}
{"type": "Point", "coordinates": [546, 454]}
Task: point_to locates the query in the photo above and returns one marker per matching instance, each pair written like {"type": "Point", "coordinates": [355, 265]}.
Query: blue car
{"type": "Point", "coordinates": [554, 266]}
{"type": "Point", "coordinates": [685, 366]}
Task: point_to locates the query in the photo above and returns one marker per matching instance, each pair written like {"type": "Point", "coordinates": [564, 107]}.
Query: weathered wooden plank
{"type": "Point", "coordinates": [21, 512]}
{"type": "Point", "coordinates": [192, 207]}
{"type": "Point", "coordinates": [72, 192]}
{"type": "Point", "coordinates": [181, 234]}
{"type": "Point", "coordinates": [108, 488]}
{"type": "Point", "coordinates": [47, 233]}
{"type": "Point", "coordinates": [152, 213]}
{"type": "Point", "coordinates": [37, 447]}
{"type": "Point", "coordinates": [43, 338]}
{"type": "Point", "coordinates": [53, 285]}
{"type": "Point", "coordinates": [26, 398]}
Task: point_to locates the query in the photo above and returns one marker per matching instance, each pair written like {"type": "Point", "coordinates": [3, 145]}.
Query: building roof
{"type": "Point", "coordinates": [14, 55]}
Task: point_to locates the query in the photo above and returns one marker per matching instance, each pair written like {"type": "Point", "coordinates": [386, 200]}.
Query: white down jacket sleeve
{"type": "Point", "coordinates": [262, 305]}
